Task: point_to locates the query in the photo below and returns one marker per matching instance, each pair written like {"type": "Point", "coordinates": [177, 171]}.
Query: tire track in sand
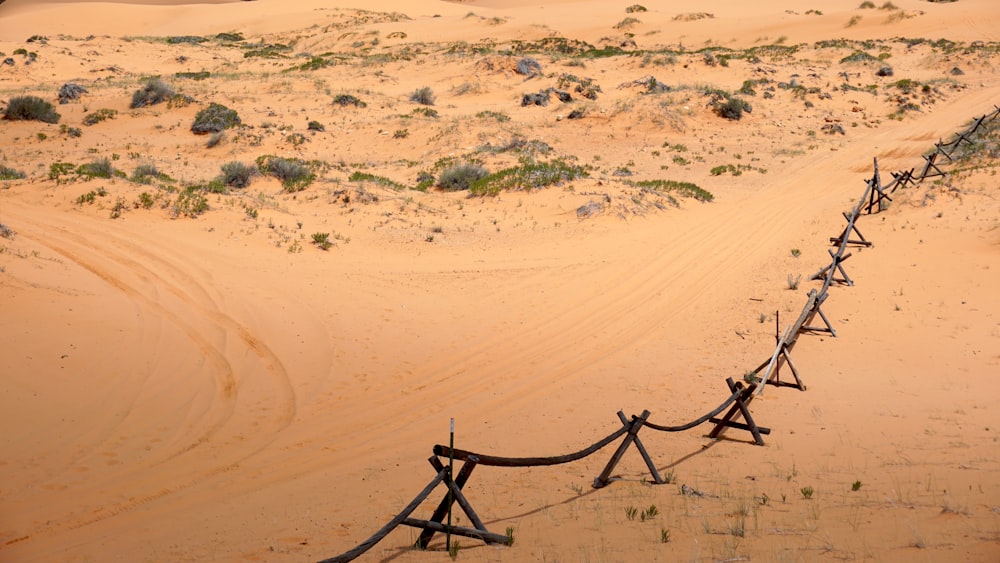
{"type": "Point", "coordinates": [151, 279]}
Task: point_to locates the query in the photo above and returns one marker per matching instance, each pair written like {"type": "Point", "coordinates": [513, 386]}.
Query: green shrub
{"type": "Point", "coordinates": [859, 57]}
{"type": "Point", "coordinates": [190, 203]}
{"type": "Point", "coordinates": [322, 240]}
{"type": "Point", "coordinates": [461, 177]}
{"type": "Point", "coordinates": [634, 8]}
{"type": "Point", "coordinates": [423, 96]}
{"type": "Point", "coordinates": [98, 116]}
{"type": "Point", "coordinates": [683, 188]}
{"type": "Point", "coordinates": [59, 169]}
{"type": "Point", "coordinates": [316, 126]}
{"type": "Point", "coordinates": [237, 175]}
{"type": "Point", "coordinates": [344, 100]}
{"type": "Point", "coordinates": [146, 173]}
{"type": "Point", "coordinates": [527, 176]}
{"type": "Point", "coordinates": [732, 108]}
{"type": "Point", "coordinates": [100, 168]}
{"type": "Point", "coordinates": [294, 174]}
{"type": "Point", "coordinates": [214, 118]}
{"type": "Point", "coordinates": [155, 91]}
{"type": "Point", "coordinates": [10, 174]}
{"type": "Point", "coordinates": [30, 108]}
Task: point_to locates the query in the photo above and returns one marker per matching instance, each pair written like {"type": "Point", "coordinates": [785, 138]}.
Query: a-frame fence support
{"type": "Point", "coordinates": [740, 407]}
{"type": "Point", "coordinates": [453, 495]}
{"type": "Point", "coordinates": [632, 436]}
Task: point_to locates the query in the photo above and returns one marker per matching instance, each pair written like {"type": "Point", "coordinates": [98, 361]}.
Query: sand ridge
{"type": "Point", "coordinates": [218, 387]}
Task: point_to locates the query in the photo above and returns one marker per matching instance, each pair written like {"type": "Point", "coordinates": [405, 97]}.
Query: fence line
{"type": "Point", "coordinates": [874, 199]}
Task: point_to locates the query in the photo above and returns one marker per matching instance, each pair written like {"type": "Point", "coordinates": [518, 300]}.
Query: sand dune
{"type": "Point", "coordinates": [188, 385]}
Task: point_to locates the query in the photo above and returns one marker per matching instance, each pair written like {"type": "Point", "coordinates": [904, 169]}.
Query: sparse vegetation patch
{"type": "Point", "coordinates": [30, 108]}
{"type": "Point", "coordinates": [214, 118]}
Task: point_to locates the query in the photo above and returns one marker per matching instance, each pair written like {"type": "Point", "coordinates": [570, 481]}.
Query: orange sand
{"type": "Point", "coordinates": [219, 388]}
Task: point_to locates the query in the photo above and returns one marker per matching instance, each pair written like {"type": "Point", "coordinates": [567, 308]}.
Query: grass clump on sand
{"type": "Point", "coordinates": [189, 203]}
{"type": "Point", "coordinates": [97, 116]}
{"type": "Point", "coordinates": [214, 118]}
{"type": "Point", "coordinates": [146, 173]}
{"type": "Point", "coordinates": [155, 91]}
{"type": "Point", "coordinates": [423, 96]}
{"type": "Point", "coordinates": [236, 174]}
{"type": "Point", "coordinates": [30, 108]}
{"type": "Point", "coordinates": [100, 168]}
{"type": "Point", "coordinates": [682, 188]}
{"type": "Point", "coordinates": [859, 57]}
{"type": "Point", "coordinates": [461, 177]}
{"type": "Point", "coordinates": [294, 174]}
{"type": "Point", "coordinates": [527, 176]}
{"type": "Point", "coordinates": [10, 174]}
{"type": "Point", "coordinates": [380, 180]}
{"type": "Point", "coordinates": [344, 100]}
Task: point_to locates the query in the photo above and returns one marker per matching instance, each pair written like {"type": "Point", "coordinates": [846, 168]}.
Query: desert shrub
{"type": "Point", "coordinates": [731, 108]}
{"type": "Point", "coordinates": [189, 39]}
{"type": "Point", "coordinates": [30, 108]}
{"type": "Point", "coordinates": [70, 91]}
{"type": "Point", "coordinates": [6, 232]}
{"type": "Point", "coordinates": [146, 173]}
{"type": "Point", "coordinates": [59, 169]}
{"type": "Point", "coordinates": [200, 75]}
{"type": "Point", "coordinates": [529, 67]}
{"type": "Point", "coordinates": [155, 91]}
{"type": "Point", "coordinates": [344, 100]}
{"type": "Point", "coordinates": [322, 240]}
{"type": "Point", "coordinates": [536, 99]}
{"type": "Point", "coordinates": [461, 177]}
{"type": "Point", "coordinates": [99, 168]}
{"type": "Point", "coordinates": [74, 132]}
{"type": "Point", "coordinates": [859, 57]}
{"type": "Point", "coordinates": [867, 5]}
{"type": "Point", "coordinates": [527, 176]}
{"type": "Point", "coordinates": [10, 174]}
{"type": "Point", "coordinates": [316, 126]}
{"type": "Point", "coordinates": [98, 116]}
{"type": "Point", "coordinates": [230, 36]}
{"type": "Point", "coordinates": [683, 188]}
{"type": "Point", "coordinates": [237, 175]}
{"type": "Point", "coordinates": [190, 203]}
{"type": "Point", "coordinates": [294, 174]}
{"type": "Point", "coordinates": [634, 8]}
{"type": "Point", "coordinates": [423, 96]}
{"type": "Point", "coordinates": [214, 118]}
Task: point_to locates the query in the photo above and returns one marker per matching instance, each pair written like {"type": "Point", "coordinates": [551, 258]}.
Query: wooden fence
{"type": "Point", "coordinates": [874, 199]}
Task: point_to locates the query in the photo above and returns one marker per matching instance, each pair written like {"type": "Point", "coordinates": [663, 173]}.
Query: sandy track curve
{"type": "Point", "coordinates": [225, 351]}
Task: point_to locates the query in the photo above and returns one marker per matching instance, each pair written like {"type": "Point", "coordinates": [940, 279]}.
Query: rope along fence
{"type": "Point", "coordinates": [874, 199]}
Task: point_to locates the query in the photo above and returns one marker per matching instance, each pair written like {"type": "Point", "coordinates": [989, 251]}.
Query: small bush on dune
{"type": "Point", "coordinates": [237, 175]}
{"type": "Point", "coordinates": [70, 91]}
{"type": "Point", "coordinates": [214, 118]}
{"type": "Point", "coordinates": [30, 108]}
{"type": "Point", "coordinates": [344, 100]}
{"type": "Point", "coordinates": [98, 116]}
{"type": "Point", "coordinates": [146, 173]}
{"type": "Point", "coordinates": [295, 175]}
{"type": "Point", "coordinates": [529, 67]}
{"type": "Point", "coordinates": [100, 168]}
{"type": "Point", "coordinates": [10, 174]}
{"type": "Point", "coordinates": [461, 177]}
{"type": "Point", "coordinates": [155, 91]}
{"type": "Point", "coordinates": [423, 96]}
